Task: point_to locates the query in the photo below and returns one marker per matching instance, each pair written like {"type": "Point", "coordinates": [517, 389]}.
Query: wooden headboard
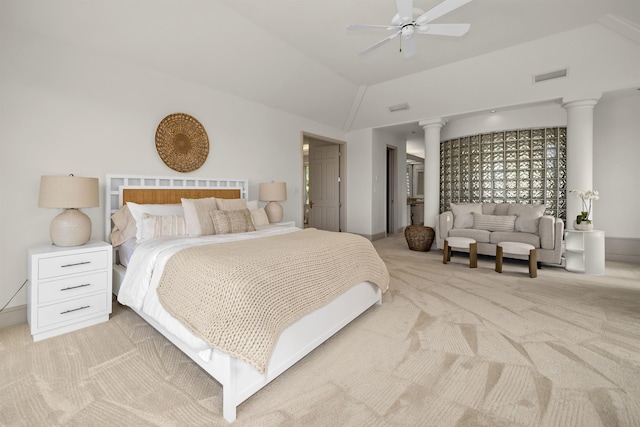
{"type": "Point", "coordinates": [121, 189]}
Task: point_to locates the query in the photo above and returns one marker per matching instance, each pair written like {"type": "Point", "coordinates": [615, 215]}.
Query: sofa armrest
{"type": "Point", "coordinates": [444, 223]}
{"type": "Point", "coordinates": [546, 231]}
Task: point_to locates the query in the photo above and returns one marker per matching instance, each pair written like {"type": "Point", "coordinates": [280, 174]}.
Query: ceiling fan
{"type": "Point", "coordinates": [406, 26]}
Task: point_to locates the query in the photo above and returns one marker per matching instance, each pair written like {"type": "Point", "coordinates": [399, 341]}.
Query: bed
{"type": "Point", "coordinates": [239, 376]}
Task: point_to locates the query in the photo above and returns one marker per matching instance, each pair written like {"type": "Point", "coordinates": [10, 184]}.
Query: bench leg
{"type": "Point", "coordinates": [499, 259]}
{"type": "Point", "coordinates": [473, 255]}
{"type": "Point", "coordinates": [446, 254]}
{"type": "Point", "coordinates": [533, 265]}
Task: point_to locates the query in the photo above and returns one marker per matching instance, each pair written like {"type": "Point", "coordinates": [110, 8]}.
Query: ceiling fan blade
{"type": "Point", "coordinates": [353, 27]}
{"type": "Point", "coordinates": [454, 30]}
{"type": "Point", "coordinates": [380, 43]}
{"type": "Point", "coordinates": [441, 9]}
{"type": "Point", "coordinates": [405, 10]}
{"type": "Point", "coordinates": [409, 47]}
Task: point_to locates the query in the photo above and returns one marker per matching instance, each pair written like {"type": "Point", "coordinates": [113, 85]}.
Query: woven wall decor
{"type": "Point", "coordinates": [182, 142]}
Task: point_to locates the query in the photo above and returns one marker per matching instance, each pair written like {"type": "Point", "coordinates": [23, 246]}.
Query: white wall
{"type": "Point", "coordinates": [616, 174]}
{"type": "Point", "coordinates": [359, 173]}
{"type": "Point", "coordinates": [65, 110]}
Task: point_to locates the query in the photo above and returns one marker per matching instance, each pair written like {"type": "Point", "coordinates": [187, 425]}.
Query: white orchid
{"type": "Point", "coordinates": [587, 198]}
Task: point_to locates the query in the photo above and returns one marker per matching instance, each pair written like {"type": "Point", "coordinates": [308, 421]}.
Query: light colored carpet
{"type": "Point", "coordinates": [450, 346]}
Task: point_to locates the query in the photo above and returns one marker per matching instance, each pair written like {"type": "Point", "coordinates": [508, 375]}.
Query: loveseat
{"type": "Point", "coordinates": [491, 223]}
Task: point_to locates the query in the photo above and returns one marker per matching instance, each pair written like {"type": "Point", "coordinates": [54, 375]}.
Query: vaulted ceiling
{"type": "Point", "coordinates": [296, 56]}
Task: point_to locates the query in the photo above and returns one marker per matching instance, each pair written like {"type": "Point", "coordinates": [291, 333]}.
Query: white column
{"type": "Point", "coordinates": [579, 153]}
{"type": "Point", "coordinates": [432, 129]}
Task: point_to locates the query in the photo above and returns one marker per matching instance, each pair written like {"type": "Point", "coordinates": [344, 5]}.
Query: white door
{"type": "Point", "coordinates": [324, 188]}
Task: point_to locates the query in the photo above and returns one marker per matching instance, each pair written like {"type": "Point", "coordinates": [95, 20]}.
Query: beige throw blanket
{"type": "Point", "coordinates": [239, 296]}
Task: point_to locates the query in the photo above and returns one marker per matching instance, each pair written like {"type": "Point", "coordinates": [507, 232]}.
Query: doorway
{"type": "Point", "coordinates": [391, 190]}
{"type": "Point", "coordinates": [323, 183]}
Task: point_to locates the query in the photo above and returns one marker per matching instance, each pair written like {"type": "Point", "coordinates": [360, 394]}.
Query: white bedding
{"type": "Point", "coordinates": [138, 289]}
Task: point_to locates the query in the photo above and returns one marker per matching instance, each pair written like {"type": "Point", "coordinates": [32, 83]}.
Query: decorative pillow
{"type": "Point", "coordinates": [528, 216]}
{"type": "Point", "coordinates": [463, 214]}
{"type": "Point", "coordinates": [252, 205]}
{"type": "Point", "coordinates": [494, 222]}
{"type": "Point", "coordinates": [137, 211]}
{"type": "Point", "coordinates": [163, 226]}
{"type": "Point", "coordinates": [259, 217]}
{"type": "Point", "coordinates": [196, 215]}
{"type": "Point", "coordinates": [232, 204]}
{"type": "Point", "coordinates": [124, 226]}
{"type": "Point", "coordinates": [225, 222]}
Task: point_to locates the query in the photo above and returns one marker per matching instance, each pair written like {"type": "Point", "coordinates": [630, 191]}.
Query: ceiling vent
{"type": "Point", "coordinates": [550, 76]}
{"type": "Point", "coordinates": [399, 107]}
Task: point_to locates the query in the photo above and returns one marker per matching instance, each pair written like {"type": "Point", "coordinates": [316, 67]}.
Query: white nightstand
{"type": "Point", "coordinates": [69, 288]}
{"type": "Point", "coordinates": [584, 251]}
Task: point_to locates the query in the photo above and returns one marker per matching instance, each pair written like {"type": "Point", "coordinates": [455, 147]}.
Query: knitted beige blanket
{"type": "Point", "coordinates": [239, 296]}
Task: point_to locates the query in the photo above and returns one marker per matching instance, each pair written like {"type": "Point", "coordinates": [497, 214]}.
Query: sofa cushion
{"type": "Point", "coordinates": [502, 209]}
{"type": "Point", "coordinates": [493, 222]}
{"type": "Point", "coordinates": [480, 236]}
{"type": "Point", "coordinates": [515, 236]}
{"type": "Point", "coordinates": [463, 214]}
{"type": "Point", "coordinates": [488, 208]}
{"type": "Point", "coordinates": [528, 216]}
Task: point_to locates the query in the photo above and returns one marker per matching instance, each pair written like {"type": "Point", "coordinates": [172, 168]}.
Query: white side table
{"type": "Point", "coordinates": [584, 251]}
{"type": "Point", "coordinates": [69, 287]}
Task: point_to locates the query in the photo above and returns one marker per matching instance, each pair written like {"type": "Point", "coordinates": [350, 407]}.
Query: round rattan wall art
{"type": "Point", "coordinates": [182, 142]}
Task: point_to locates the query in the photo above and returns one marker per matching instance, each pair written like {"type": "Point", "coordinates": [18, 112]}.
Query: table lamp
{"type": "Point", "coordinates": [71, 227]}
{"type": "Point", "coordinates": [273, 192]}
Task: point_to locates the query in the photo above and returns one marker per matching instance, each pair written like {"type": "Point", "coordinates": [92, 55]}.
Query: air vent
{"type": "Point", "coordinates": [550, 76]}
{"type": "Point", "coordinates": [399, 107]}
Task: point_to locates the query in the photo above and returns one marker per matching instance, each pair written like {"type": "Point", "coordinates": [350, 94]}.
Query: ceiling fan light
{"type": "Point", "coordinates": [408, 31]}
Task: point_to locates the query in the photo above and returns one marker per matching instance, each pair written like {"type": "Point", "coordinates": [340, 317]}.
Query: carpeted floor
{"type": "Point", "coordinates": [450, 346]}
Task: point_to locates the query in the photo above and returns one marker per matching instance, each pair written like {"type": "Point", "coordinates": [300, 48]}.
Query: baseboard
{"type": "Point", "coordinates": [13, 315]}
{"type": "Point", "coordinates": [624, 249]}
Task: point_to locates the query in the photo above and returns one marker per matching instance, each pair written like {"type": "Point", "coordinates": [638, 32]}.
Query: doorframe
{"type": "Point", "coordinates": [392, 190]}
{"type": "Point", "coordinates": [309, 138]}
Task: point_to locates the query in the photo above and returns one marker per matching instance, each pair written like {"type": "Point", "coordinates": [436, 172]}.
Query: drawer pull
{"type": "Point", "coordinates": [76, 287]}
{"type": "Point", "coordinates": [75, 309]}
{"type": "Point", "coordinates": [77, 263]}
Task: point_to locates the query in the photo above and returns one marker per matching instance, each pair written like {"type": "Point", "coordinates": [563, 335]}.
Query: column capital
{"type": "Point", "coordinates": [590, 103]}
{"type": "Point", "coordinates": [434, 122]}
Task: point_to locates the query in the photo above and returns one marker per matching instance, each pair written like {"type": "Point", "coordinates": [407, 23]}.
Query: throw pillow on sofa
{"type": "Point", "coordinates": [528, 216]}
{"type": "Point", "coordinates": [463, 214]}
{"type": "Point", "coordinates": [494, 222]}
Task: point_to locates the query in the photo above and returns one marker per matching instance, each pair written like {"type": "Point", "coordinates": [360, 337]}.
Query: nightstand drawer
{"type": "Point", "coordinates": [70, 264]}
{"type": "Point", "coordinates": [71, 287]}
{"type": "Point", "coordinates": [71, 310]}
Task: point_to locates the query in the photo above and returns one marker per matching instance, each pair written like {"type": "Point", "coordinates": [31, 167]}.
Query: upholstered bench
{"type": "Point", "coordinates": [517, 248]}
{"type": "Point", "coordinates": [461, 243]}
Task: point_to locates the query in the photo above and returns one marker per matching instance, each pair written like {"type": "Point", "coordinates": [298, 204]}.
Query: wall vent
{"type": "Point", "coordinates": [550, 76]}
{"type": "Point", "coordinates": [399, 107]}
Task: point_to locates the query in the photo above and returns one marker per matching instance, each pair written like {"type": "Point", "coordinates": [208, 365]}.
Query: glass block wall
{"type": "Point", "coordinates": [516, 166]}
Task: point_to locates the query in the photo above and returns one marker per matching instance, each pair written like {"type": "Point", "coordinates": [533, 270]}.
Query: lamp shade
{"type": "Point", "coordinates": [71, 227]}
{"type": "Point", "coordinates": [64, 192]}
{"type": "Point", "coordinates": [273, 191]}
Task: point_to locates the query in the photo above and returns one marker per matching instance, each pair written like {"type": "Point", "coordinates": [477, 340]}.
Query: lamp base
{"type": "Point", "coordinates": [70, 228]}
{"type": "Point", "coordinates": [274, 211]}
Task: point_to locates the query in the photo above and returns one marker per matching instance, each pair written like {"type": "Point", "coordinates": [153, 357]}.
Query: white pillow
{"type": "Point", "coordinates": [493, 222]}
{"type": "Point", "coordinates": [163, 226]}
{"type": "Point", "coordinates": [252, 205]}
{"type": "Point", "coordinates": [138, 210]}
{"type": "Point", "coordinates": [196, 215]}
{"type": "Point", "coordinates": [463, 214]}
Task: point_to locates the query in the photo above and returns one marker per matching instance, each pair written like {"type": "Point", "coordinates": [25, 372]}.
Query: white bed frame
{"type": "Point", "coordinates": [240, 380]}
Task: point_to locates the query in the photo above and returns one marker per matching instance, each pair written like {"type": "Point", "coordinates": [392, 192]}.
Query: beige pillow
{"type": "Point", "coordinates": [528, 216]}
{"type": "Point", "coordinates": [259, 217]}
{"type": "Point", "coordinates": [163, 226]}
{"type": "Point", "coordinates": [494, 222]}
{"type": "Point", "coordinates": [225, 222]}
{"type": "Point", "coordinates": [463, 214]}
{"type": "Point", "coordinates": [232, 204]}
{"type": "Point", "coordinates": [196, 215]}
{"type": "Point", "coordinates": [124, 226]}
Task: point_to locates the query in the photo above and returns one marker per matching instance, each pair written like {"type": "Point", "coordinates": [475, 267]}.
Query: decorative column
{"type": "Point", "coordinates": [579, 153]}
{"type": "Point", "coordinates": [432, 129]}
